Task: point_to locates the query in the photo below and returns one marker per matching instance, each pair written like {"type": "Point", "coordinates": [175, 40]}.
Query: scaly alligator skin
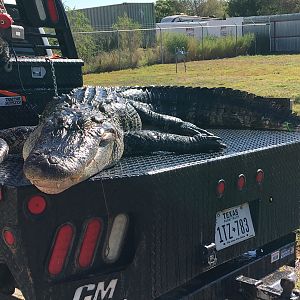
{"type": "Point", "coordinates": [4, 52]}
{"type": "Point", "coordinates": [91, 128]}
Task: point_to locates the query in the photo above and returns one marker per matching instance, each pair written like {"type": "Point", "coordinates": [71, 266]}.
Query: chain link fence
{"type": "Point", "coordinates": [108, 50]}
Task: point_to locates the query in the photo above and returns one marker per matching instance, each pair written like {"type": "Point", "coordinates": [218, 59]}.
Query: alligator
{"type": "Point", "coordinates": [4, 52]}
{"type": "Point", "coordinates": [91, 128]}
{"type": "Point", "coordinates": [81, 133]}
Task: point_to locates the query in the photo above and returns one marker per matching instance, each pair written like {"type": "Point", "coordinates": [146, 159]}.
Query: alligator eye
{"type": "Point", "coordinates": [97, 119]}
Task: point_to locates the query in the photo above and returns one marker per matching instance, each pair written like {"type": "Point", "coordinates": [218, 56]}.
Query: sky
{"type": "Point", "coordinates": [94, 3]}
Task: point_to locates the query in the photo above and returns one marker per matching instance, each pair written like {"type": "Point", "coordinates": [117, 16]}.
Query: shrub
{"type": "Point", "coordinates": [132, 57]}
{"type": "Point", "coordinates": [229, 46]}
{"type": "Point", "coordinates": [130, 39]}
{"type": "Point", "coordinates": [123, 59]}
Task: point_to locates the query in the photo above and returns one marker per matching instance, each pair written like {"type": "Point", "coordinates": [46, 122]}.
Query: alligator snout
{"type": "Point", "coordinates": [50, 167]}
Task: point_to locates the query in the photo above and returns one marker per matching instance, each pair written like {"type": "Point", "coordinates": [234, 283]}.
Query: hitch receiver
{"type": "Point", "coordinates": [277, 285]}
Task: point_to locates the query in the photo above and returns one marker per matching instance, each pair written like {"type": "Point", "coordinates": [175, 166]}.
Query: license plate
{"type": "Point", "coordinates": [11, 101]}
{"type": "Point", "coordinates": [233, 225]}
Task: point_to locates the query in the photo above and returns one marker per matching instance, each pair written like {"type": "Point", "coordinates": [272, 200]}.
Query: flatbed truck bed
{"type": "Point", "coordinates": [166, 207]}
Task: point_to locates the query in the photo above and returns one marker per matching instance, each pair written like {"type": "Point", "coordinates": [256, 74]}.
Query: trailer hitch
{"type": "Point", "coordinates": [209, 255]}
{"type": "Point", "coordinates": [277, 285]}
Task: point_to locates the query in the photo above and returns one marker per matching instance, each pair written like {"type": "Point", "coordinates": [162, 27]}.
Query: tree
{"type": "Point", "coordinates": [279, 7]}
{"type": "Point", "coordinates": [213, 8]}
{"type": "Point", "coordinates": [246, 8]}
{"type": "Point", "coordinates": [85, 43]}
{"type": "Point", "coordinates": [164, 8]}
{"type": "Point", "coordinates": [204, 8]}
{"type": "Point", "coordinates": [243, 8]}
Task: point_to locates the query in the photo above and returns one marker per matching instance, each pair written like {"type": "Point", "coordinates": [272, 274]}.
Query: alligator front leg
{"type": "Point", "coordinates": [12, 140]}
{"type": "Point", "coordinates": [147, 141]}
{"type": "Point", "coordinates": [165, 122]}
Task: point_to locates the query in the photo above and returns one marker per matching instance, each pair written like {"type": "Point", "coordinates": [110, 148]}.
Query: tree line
{"type": "Point", "coordinates": [223, 8]}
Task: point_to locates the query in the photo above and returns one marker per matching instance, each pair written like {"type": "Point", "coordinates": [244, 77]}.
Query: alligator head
{"type": "Point", "coordinates": [72, 142]}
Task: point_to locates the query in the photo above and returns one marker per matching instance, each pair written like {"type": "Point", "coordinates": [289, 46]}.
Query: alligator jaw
{"type": "Point", "coordinates": [54, 187]}
{"type": "Point", "coordinates": [106, 155]}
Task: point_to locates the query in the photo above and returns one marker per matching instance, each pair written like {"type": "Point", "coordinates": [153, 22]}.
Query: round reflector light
{"type": "Point", "coordinates": [260, 175]}
{"type": "Point", "coordinates": [5, 21]}
{"type": "Point", "coordinates": [36, 205]}
{"type": "Point", "coordinates": [221, 187]}
{"type": "Point", "coordinates": [9, 237]}
{"type": "Point", "coordinates": [241, 183]}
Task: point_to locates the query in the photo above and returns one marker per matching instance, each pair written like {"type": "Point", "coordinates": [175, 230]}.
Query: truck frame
{"type": "Point", "coordinates": [163, 226]}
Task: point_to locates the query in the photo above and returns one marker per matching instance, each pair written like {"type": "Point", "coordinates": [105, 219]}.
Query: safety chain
{"type": "Point", "coordinates": [53, 77]}
{"type": "Point", "coordinates": [2, 7]}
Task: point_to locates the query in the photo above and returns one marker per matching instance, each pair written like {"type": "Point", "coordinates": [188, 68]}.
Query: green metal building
{"type": "Point", "coordinates": [103, 17]}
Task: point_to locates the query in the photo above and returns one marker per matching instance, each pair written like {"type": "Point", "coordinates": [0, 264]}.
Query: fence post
{"type": "Point", "coordinates": [161, 44]}
{"type": "Point", "coordinates": [119, 50]}
{"type": "Point", "coordinates": [236, 39]}
{"type": "Point", "coordinates": [202, 41]}
{"type": "Point", "coordinates": [131, 35]}
{"type": "Point", "coordinates": [270, 34]}
{"type": "Point", "coordinates": [255, 41]}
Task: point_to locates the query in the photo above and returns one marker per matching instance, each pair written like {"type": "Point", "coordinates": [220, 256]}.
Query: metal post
{"type": "Point", "coordinates": [119, 50]}
{"type": "Point", "coordinates": [161, 44]}
{"type": "Point", "coordinates": [255, 40]}
{"type": "Point", "coordinates": [236, 38]}
{"type": "Point", "coordinates": [131, 35]}
{"type": "Point", "coordinates": [176, 61]}
{"type": "Point", "coordinates": [270, 37]}
{"type": "Point", "coordinates": [202, 42]}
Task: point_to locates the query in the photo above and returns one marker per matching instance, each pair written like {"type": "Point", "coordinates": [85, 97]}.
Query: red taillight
{"type": "Point", "coordinates": [36, 205]}
{"type": "Point", "coordinates": [89, 243]}
{"type": "Point", "coordinates": [52, 11]}
{"type": "Point", "coordinates": [260, 175]}
{"type": "Point", "coordinates": [241, 182]}
{"type": "Point", "coordinates": [9, 237]}
{"type": "Point", "coordinates": [61, 249]}
{"type": "Point", "coordinates": [221, 188]}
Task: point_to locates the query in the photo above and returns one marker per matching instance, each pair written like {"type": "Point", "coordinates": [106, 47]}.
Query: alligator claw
{"type": "Point", "coordinates": [210, 142]}
{"type": "Point", "coordinates": [3, 149]}
{"type": "Point", "coordinates": [191, 129]}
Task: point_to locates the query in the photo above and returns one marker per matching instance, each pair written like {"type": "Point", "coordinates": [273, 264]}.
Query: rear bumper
{"type": "Point", "coordinates": [221, 282]}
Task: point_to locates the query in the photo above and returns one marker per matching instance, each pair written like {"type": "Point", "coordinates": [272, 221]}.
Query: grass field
{"type": "Point", "coordinates": [272, 75]}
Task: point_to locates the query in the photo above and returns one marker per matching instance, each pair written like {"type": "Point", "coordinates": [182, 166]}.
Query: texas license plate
{"type": "Point", "coordinates": [233, 225]}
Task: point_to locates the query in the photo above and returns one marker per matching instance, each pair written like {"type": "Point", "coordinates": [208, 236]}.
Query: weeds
{"type": "Point", "coordinates": [127, 57]}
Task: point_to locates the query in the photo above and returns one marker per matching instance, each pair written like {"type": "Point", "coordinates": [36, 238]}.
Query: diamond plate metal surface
{"type": "Point", "coordinates": [238, 142]}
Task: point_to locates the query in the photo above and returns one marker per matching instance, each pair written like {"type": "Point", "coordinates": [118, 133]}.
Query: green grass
{"type": "Point", "coordinates": [272, 75]}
